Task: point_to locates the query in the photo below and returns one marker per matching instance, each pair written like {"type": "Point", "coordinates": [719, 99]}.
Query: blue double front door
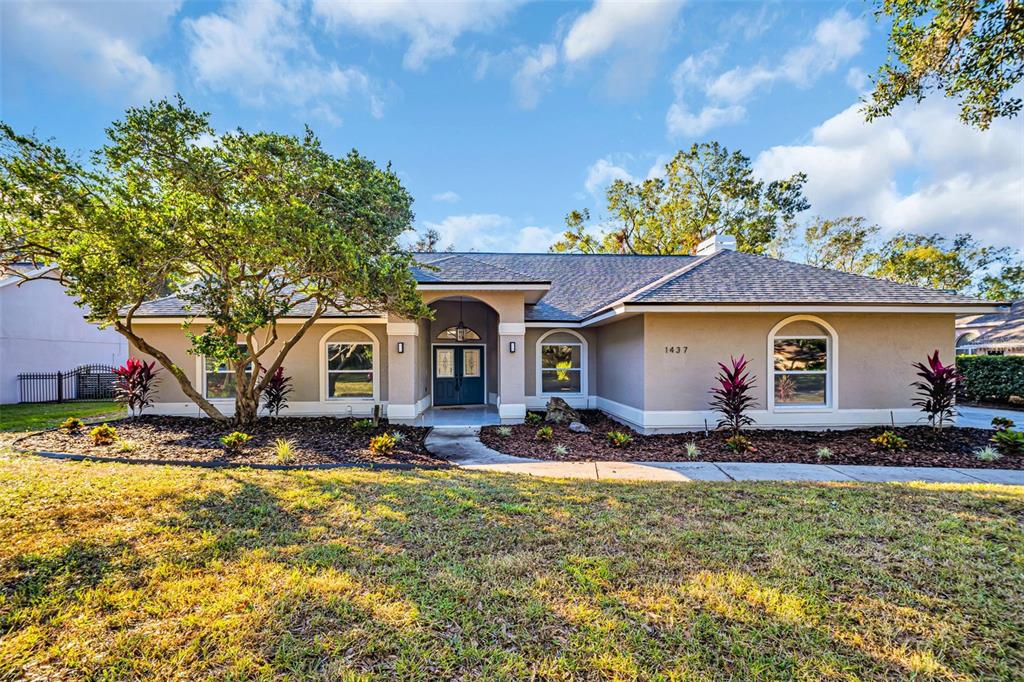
{"type": "Point", "coordinates": [458, 375]}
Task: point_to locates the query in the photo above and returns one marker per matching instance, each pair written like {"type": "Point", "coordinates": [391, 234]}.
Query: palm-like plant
{"type": "Point", "coordinates": [936, 395]}
{"type": "Point", "coordinates": [275, 395]}
{"type": "Point", "coordinates": [135, 383]}
{"type": "Point", "coordinates": [732, 397]}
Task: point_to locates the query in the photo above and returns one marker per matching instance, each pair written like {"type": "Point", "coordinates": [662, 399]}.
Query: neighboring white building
{"type": "Point", "coordinates": [42, 330]}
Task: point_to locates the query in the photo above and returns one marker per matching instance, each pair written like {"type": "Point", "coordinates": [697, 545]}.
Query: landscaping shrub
{"type": "Point", "coordinates": [890, 440]}
{"type": "Point", "coordinates": [988, 454]}
{"type": "Point", "coordinates": [1002, 423]}
{"type": "Point", "coordinates": [692, 451]}
{"type": "Point", "coordinates": [824, 453]}
{"type": "Point", "coordinates": [398, 436]}
{"type": "Point", "coordinates": [732, 396]}
{"type": "Point", "coordinates": [275, 395]}
{"type": "Point", "coordinates": [384, 444]}
{"type": "Point", "coordinates": [362, 424]}
{"type": "Point", "coordinates": [936, 395]}
{"type": "Point", "coordinates": [739, 443]}
{"type": "Point", "coordinates": [619, 439]}
{"type": "Point", "coordinates": [136, 381]}
{"type": "Point", "coordinates": [1009, 442]}
{"type": "Point", "coordinates": [104, 434]}
{"type": "Point", "coordinates": [126, 445]}
{"type": "Point", "coordinates": [560, 450]}
{"type": "Point", "coordinates": [284, 451]}
{"type": "Point", "coordinates": [72, 425]}
{"type": "Point", "coordinates": [544, 433]}
{"type": "Point", "coordinates": [235, 441]}
{"type": "Point", "coordinates": [504, 431]}
{"type": "Point", "coordinates": [533, 418]}
{"type": "Point", "coordinates": [991, 378]}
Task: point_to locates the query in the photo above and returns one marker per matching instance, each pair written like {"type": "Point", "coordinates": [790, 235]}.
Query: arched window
{"type": "Point", "coordinates": [802, 352]}
{"type": "Point", "coordinates": [349, 358]}
{"type": "Point", "coordinates": [452, 334]}
{"type": "Point", "coordinates": [561, 364]}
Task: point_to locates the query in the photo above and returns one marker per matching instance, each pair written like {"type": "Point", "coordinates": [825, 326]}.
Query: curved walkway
{"type": "Point", "coordinates": [462, 447]}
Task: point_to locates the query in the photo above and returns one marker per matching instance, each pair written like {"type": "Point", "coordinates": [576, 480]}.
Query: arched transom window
{"type": "Point", "coordinates": [452, 334]}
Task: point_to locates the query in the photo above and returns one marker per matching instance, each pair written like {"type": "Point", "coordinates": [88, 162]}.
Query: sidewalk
{"type": "Point", "coordinates": [462, 448]}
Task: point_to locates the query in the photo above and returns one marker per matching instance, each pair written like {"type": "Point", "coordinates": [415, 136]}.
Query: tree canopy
{"type": "Point", "coordinates": [245, 228]}
{"type": "Point", "coordinates": [970, 50]}
{"type": "Point", "coordinates": [704, 190]}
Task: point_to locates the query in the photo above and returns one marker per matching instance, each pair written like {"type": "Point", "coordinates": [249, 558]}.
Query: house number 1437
{"type": "Point", "coordinates": [675, 349]}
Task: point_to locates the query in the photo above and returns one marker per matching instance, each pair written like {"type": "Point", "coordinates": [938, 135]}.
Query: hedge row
{"type": "Point", "coordinates": [991, 377]}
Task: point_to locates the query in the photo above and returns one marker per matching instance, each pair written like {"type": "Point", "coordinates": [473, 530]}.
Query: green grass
{"type": "Point", "coordinates": [126, 572]}
{"type": "Point", "coordinates": [36, 416]}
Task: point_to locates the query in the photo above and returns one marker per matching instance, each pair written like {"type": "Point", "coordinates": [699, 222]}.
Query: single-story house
{"type": "Point", "coordinates": [999, 333]}
{"type": "Point", "coordinates": [638, 337]}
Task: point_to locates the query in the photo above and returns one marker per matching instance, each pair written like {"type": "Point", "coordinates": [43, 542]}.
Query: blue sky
{"type": "Point", "coordinates": [503, 116]}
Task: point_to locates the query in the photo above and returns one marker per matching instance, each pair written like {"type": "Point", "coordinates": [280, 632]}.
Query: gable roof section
{"type": "Point", "coordinates": [732, 277]}
{"type": "Point", "coordinates": [457, 268]}
{"type": "Point", "coordinates": [1009, 333]}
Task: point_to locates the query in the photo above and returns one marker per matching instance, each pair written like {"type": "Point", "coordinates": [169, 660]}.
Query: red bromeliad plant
{"type": "Point", "coordinates": [732, 396]}
{"type": "Point", "coordinates": [135, 384]}
{"type": "Point", "coordinates": [936, 395]}
{"type": "Point", "coordinates": [275, 395]}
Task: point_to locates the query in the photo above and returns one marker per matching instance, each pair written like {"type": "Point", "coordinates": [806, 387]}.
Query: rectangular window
{"type": "Point", "coordinates": [350, 370]}
{"type": "Point", "coordinates": [220, 377]}
{"type": "Point", "coordinates": [445, 363]}
{"type": "Point", "coordinates": [470, 362]}
{"type": "Point", "coordinates": [801, 371]}
{"type": "Point", "coordinates": [561, 368]}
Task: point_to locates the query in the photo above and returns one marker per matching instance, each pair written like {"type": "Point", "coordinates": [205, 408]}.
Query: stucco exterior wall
{"type": "Point", "coordinates": [42, 330]}
{"type": "Point", "coordinates": [621, 363]}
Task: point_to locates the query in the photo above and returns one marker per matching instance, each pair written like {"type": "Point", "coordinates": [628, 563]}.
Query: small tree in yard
{"type": "Point", "coordinates": [936, 395]}
{"type": "Point", "coordinates": [244, 228]}
{"type": "Point", "coordinates": [732, 397]}
{"type": "Point", "coordinates": [135, 383]}
{"type": "Point", "coordinates": [275, 395]}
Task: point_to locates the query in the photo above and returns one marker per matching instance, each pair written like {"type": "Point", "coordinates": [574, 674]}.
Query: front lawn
{"type": "Point", "coordinates": [35, 416]}
{"type": "Point", "coordinates": [123, 572]}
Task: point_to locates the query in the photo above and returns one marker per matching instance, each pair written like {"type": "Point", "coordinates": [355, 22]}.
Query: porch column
{"type": "Point", "coordinates": [512, 372]}
{"type": "Point", "coordinates": [402, 370]}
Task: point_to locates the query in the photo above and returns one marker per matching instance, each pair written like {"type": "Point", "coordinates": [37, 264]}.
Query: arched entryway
{"type": "Point", "coordinates": [463, 352]}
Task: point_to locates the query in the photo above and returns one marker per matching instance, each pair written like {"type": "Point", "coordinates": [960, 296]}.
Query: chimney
{"type": "Point", "coordinates": [716, 243]}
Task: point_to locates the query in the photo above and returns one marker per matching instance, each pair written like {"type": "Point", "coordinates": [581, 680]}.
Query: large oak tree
{"type": "Point", "coordinates": [245, 228]}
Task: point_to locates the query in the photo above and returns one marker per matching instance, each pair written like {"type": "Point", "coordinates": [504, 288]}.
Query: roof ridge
{"type": "Point", "coordinates": [656, 282]}
{"type": "Point", "coordinates": [500, 267]}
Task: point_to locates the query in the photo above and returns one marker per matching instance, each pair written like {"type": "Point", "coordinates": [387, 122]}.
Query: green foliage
{"type": "Point", "coordinates": [987, 454]}
{"type": "Point", "coordinates": [560, 450]}
{"type": "Point", "coordinates": [739, 444]}
{"type": "Point", "coordinates": [824, 453]}
{"type": "Point", "coordinates": [126, 445]}
{"type": "Point", "coordinates": [692, 451]}
{"type": "Point", "coordinates": [398, 436]}
{"type": "Point", "coordinates": [533, 418]}
{"type": "Point", "coordinates": [1007, 285]}
{"type": "Point", "coordinates": [544, 433]}
{"type": "Point", "coordinates": [1002, 423]}
{"type": "Point", "coordinates": [970, 50]}
{"type": "Point", "coordinates": [72, 425]}
{"type": "Point", "coordinates": [705, 190]}
{"type": "Point", "coordinates": [104, 434]}
{"type": "Point", "coordinates": [934, 261]}
{"type": "Point", "coordinates": [991, 377]}
{"type": "Point", "coordinates": [284, 451]}
{"type": "Point", "coordinates": [840, 244]}
{"type": "Point", "coordinates": [235, 441]}
{"type": "Point", "coordinates": [362, 424]}
{"type": "Point", "coordinates": [383, 444]}
{"type": "Point", "coordinates": [504, 431]}
{"type": "Point", "coordinates": [618, 439]}
{"type": "Point", "coordinates": [243, 229]}
{"type": "Point", "coordinates": [890, 441]}
{"type": "Point", "coordinates": [1009, 442]}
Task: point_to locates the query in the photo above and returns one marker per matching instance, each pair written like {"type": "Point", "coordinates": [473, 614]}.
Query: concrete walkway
{"type": "Point", "coordinates": [462, 447]}
{"type": "Point", "coordinates": [981, 417]}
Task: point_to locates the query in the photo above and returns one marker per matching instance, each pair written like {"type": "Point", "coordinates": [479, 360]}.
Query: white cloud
{"type": "Point", "coordinates": [490, 232]}
{"type": "Point", "coordinates": [857, 79]}
{"type": "Point", "coordinates": [612, 23]}
{"type": "Point", "coordinates": [602, 173]}
{"type": "Point", "coordinates": [430, 27]}
{"type": "Point", "coordinates": [448, 197]}
{"type": "Point", "coordinates": [260, 51]}
{"type": "Point", "coordinates": [534, 75]}
{"type": "Point", "coordinates": [681, 122]}
{"type": "Point", "coordinates": [98, 44]}
{"type": "Point", "coordinates": [967, 180]}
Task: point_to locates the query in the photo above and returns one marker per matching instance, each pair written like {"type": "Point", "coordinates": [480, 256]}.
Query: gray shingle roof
{"type": "Point", "coordinates": [1009, 332]}
{"type": "Point", "coordinates": [734, 277]}
{"type": "Point", "coordinates": [458, 267]}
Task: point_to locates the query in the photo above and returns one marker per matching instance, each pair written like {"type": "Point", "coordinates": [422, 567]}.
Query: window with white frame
{"type": "Point", "coordinates": [561, 368]}
{"type": "Point", "coordinates": [350, 370]}
{"type": "Point", "coordinates": [801, 368]}
{"type": "Point", "coordinates": [221, 382]}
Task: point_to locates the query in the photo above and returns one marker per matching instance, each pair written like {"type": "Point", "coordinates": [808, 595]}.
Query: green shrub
{"type": "Point", "coordinates": [739, 443]}
{"type": "Point", "coordinates": [504, 431]}
{"type": "Point", "coordinates": [545, 433]}
{"type": "Point", "coordinates": [533, 418]}
{"type": "Point", "coordinates": [384, 444]}
{"type": "Point", "coordinates": [890, 440]}
{"type": "Point", "coordinates": [362, 424]}
{"type": "Point", "coordinates": [104, 434]}
{"type": "Point", "coordinates": [692, 451]}
{"type": "Point", "coordinates": [72, 425]}
{"type": "Point", "coordinates": [126, 445]}
{"type": "Point", "coordinates": [398, 436]}
{"type": "Point", "coordinates": [284, 451]}
{"type": "Point", "coordinates": [1009, 442]}
{"type": "Point", "coordinates": [619, 439]}
{"type": "Point", "coordinates": [824, 453]}
{"type": "Point", "coordinates": [1002, 423]}
{"type": "Point", "coordinates": [991, 377]}
{"type": "Point", "coordinates": [987, 454]}
{"type": "Point", "coordinates": [235, 441]}
{"type": "Point", "coordinates": [560, 450]}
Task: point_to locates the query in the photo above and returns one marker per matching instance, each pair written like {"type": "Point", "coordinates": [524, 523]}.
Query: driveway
{"type": "Point", "coordinates": [981, 417]}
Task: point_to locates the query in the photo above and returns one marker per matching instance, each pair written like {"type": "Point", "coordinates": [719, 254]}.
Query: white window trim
{"type": "Point", "coordinates": [584, 363]}
{"type": "Point", "coordinates": [201, 381]}
{"type": "Point", "coordinates": [370, 339]}
{"type": "Point", "coordinates": [831, 360]}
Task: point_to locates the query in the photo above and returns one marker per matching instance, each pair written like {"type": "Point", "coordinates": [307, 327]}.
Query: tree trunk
{"type": "Point", "coordinates": [247, 395]}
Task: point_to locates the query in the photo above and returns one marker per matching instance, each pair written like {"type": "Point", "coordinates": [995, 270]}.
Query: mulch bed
{"type": "Point", "coordinates": [952, 447]}
{"type": "Point", "coordinates": [316, 440]}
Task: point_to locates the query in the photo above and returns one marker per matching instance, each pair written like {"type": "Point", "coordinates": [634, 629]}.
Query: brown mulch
{"type": "Point", "coordinates": [951, 447]}
{"type": "Point", "coordinates": [316, 440]}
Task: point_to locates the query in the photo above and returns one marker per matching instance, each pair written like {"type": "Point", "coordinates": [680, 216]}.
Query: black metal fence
{"type": "Point", "coordinates": [88, 382]}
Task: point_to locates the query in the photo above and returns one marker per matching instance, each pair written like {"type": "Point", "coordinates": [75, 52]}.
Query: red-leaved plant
{"type": "Point", "coordinates": [275, 395]}
{"type": "Point", "coordinates": [936, 395]}
{"type": "Point", "coordinates": [732, 397]}
{"type": "Point", "coordinates": [135, 384]}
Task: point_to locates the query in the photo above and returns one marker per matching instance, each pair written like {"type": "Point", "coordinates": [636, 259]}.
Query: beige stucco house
{"type": "Point", "coordinates": [635, 336]}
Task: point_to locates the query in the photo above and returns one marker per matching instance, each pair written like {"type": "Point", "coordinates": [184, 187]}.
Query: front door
{"type": "Point", "coordinates": [458, 375]}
